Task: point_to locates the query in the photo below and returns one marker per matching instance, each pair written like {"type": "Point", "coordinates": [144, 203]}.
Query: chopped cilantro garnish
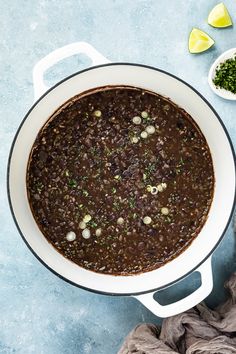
{"type": "Point", "coordinates": [116, 205]}
{"type": "Point", "coordinates": [93, 223]}
{"type": "Point", "coordinates": [72, 183]}
{"type": "Point", "coordinates": [132, 202]}
{"type": "Point", "coordinates": [39, 186]}
{"type": "Point", "coordinates": [86, 193]}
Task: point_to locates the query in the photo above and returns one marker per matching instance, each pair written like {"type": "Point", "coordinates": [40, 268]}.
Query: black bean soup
{"type": "Point", "coordinates": [120, 180]}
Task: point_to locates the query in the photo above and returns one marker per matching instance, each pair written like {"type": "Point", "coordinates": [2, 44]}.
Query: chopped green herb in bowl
{"type": "Point", "coordinates": [225, 76]}
{"type": "Point", "coordinates": [222, 75]}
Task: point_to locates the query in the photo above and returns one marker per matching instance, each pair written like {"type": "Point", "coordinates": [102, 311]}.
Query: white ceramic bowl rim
{"type": "Point", "coordinates": [9, 164]}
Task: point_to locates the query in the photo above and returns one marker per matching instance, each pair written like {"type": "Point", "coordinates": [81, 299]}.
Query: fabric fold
{"type": "Point", "coordinates": [197, 331]}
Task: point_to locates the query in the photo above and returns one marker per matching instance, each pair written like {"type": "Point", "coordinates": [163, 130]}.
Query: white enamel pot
{"type": "Point", "coordinates": [197, 256]}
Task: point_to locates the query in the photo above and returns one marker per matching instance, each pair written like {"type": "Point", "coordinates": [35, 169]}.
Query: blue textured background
{"type": "Point", "coordinates": [40, 313]}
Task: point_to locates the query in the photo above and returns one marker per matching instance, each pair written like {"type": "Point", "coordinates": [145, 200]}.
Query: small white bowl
{"type": "Point", "coordinates": [219, 91]}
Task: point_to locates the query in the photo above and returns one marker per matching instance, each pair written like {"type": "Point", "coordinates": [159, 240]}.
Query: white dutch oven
{"type": "Point", "coordinates": [197, 257]}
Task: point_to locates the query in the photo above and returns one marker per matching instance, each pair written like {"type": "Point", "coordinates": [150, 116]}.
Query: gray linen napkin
{"type": "Point", "coordinates": [197, 331]}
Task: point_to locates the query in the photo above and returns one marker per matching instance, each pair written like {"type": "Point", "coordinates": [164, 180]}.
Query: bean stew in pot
{"type": "Point", "coordinates": [120, 180]}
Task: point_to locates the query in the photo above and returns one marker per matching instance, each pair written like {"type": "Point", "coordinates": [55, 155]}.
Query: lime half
{"type": "Point", "coordinates": [219, 16]}
{"type": "Point", "coordinates": [199, 41]}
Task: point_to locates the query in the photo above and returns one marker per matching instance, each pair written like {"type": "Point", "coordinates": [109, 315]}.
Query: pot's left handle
{"type": "Point", "coordinates": [60, 54]}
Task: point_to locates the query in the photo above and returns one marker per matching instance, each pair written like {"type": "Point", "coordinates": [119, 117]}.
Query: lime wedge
{"type": "Point", "coordinates": [219, 16]}
{"type": "Point", "coordinates": [199, 41]}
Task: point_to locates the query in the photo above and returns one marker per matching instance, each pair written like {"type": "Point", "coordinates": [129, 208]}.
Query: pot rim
{"type": "Point", "coordinates": [9, 164]}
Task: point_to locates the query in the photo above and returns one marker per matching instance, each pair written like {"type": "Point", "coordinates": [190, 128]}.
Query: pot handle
{"type": "Point", "coordinates": [186, 303]}
{"type": "Point", "coordinates": [60, 54]}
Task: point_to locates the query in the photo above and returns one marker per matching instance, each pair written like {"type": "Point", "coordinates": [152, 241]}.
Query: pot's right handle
{"type": "Point", "coordinates": [60, 54]}
{"type": "Point", "coordinates": [186, 303]}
